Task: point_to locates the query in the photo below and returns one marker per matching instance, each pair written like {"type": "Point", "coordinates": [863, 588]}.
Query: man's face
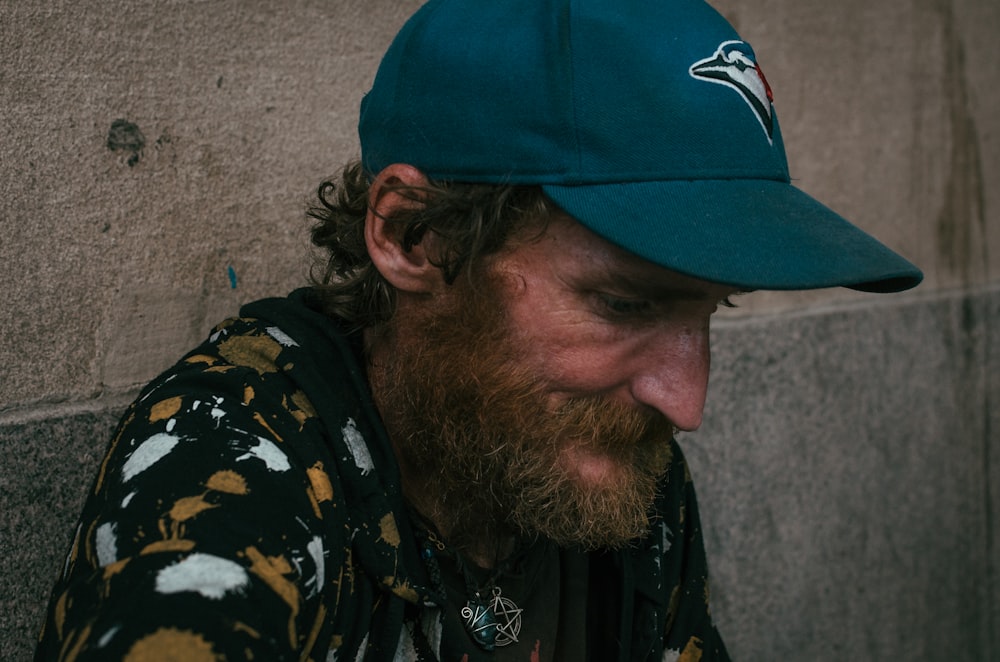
{"type": "Point", "coordinates": [545, 396]}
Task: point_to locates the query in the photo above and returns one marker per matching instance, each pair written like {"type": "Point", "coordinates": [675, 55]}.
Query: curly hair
{"type": "Point", "coordinates": [471, 220]}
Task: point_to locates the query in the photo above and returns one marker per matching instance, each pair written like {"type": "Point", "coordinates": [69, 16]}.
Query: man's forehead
{"type": "Point", "coordinates": [602, 261]}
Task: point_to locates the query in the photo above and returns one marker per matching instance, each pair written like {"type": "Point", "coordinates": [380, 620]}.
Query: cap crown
{"type": "Point", "coordinates": [571, 92]}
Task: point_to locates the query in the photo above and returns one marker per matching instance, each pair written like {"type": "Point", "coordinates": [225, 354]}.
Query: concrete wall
{"type": "Point", "coordinates": [847, 467]}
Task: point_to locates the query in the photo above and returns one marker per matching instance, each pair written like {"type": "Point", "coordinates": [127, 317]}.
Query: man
{"type": "Point", "coordinates": [459, 444]}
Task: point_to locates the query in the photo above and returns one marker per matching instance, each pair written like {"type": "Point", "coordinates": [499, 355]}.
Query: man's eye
{"type": "Point", "coordinates": [620, 306]}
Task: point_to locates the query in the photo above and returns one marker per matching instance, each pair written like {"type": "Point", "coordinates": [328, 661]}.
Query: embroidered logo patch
{"type": "Point", "coordinates": [733, 65]}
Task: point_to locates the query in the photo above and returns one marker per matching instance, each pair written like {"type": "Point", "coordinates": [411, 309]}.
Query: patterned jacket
{"type": "Point", "coordinates": [249, 507]}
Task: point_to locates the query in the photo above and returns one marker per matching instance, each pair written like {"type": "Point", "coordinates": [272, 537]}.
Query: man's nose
{"type": "Point", "coordinates": [672, 376]}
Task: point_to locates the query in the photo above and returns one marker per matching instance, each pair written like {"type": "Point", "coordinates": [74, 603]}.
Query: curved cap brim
{"type": "Point", "coordinates": [750, 233]}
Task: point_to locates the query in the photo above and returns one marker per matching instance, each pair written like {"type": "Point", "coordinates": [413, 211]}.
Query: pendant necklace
{"type": "Point", "coordinates": [493, 622]}
{"type": "Point", "coordinates": [491, 619]}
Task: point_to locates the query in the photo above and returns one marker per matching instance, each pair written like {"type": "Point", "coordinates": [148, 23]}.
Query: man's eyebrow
{"type": "Point", "coordinates": [650, 289]}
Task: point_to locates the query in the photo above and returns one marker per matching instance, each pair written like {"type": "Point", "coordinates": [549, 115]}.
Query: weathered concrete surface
{"type": "Point", "coordinates": [116, 259]}
{"type": "Point", "coordinates": [847, 474]}
{"type": "Point", "coordinates": [48, 468]}
{"type": "Point", "coordinates": [848, 464]}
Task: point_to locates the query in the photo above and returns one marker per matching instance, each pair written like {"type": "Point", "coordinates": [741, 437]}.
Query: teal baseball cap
{"type": "Point", "coordinates": [648, 121]}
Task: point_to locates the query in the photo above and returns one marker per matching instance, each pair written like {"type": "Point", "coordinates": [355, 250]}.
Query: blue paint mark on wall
{"type": "Point", "coordinates": [232, 276]}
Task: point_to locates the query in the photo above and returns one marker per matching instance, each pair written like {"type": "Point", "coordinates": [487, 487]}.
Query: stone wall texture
{"type": "Point", "coordinates": [156, 159]}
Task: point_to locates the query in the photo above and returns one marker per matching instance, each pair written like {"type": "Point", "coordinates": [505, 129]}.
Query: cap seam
{"type": "Point", "coordinates": [578, 148]}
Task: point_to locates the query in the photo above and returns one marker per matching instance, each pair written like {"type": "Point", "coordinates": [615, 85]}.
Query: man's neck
{"type": "Point", "coordinates": [470, 527]}
{"type": "Point", "coordinates": [484, 541]}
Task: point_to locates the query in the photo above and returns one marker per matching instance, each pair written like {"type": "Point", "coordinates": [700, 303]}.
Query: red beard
{"type": "Point", "coordinates": [482, 452]}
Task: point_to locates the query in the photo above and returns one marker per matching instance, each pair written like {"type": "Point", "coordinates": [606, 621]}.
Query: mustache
{"type": "Point", "coordinates": [611, 425]}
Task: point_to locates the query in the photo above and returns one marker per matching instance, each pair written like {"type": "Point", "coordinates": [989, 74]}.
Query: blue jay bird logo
{"type": "Point", "coordinates": [733, 65]}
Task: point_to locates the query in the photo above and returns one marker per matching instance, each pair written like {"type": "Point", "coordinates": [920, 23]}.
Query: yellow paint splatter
{"type": "Point", "coordinates": [300, 408]}
{"type": "Point", "coordinates": [172, 645]}
{"type": "Point", "coordinates": [168, 545]}
{"type": "Point", "coordinates": [675, 601]}
{"type": "Point", "coordinates": [248, 395]}
{"type": "Point", "coordinates": [403, 590]}
{"type": "Point", "coordinates": [313, 502]}
{"type": "Point", "coordinates": [227, 481]}
{"type": "Point", "coordinates": [59, 614]}
{"type": "Point", "coordinates": [299, 416]}
{"type": "Point", "coordinates": [113, 569]}
{"type": "Point", "coordinates": [345, 578]}
{"type": "Point", "coordinates": [272, 569]}
{"type": "Point", "coordinates": [187, 507]}
{"type": "Point", "coordinates": [201, 358]}
{"type": "Point", "coordinates": [692, 651]}
{"type": "Point", "coordinates": [88, 545]}
{"type": "Point", "coordinates": [161, 411]}
{"type": "Point", "coordinates": [74, 644]}
{"type": "Point", "coordinates": [302, 402]}
{"type": "Point", "coordinates": [320, 481]}
{"type": "Point", "coordinates": [240, 626]}
{"type": "Point", "coordinates": [257, 352]}
{"type": "Point", "coordinates": [260, 419]}
{"type": "Point", "coordinates": [390, 533]}
{"type": "Point", "coordinates": [314, 633]}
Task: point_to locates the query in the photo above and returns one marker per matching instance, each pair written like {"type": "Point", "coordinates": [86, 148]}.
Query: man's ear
{"type": "Point", "coordinates": [408, 269]}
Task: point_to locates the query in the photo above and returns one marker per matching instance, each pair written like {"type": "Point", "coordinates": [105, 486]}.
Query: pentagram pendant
{"type": "Point", "coordinates": [492, 623]}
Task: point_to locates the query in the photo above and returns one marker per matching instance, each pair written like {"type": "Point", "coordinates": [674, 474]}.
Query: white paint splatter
{"type": "Point", "coordinates": [664, 545]}
{"type": "Point", "coordinates": [315, 549]}
{"type": "Point", "coordinates": [208, 575]}
{"type": "Point", "coordinates": [218, 415]}
{"type": "Point", "coordinates": [108, 636]}
{"type": "Point", "coordinates": [405, 650]}
{"type": "Point", "coordinates": [268, 453]}
{"type": "Point", "coordinates": [433, 624]}
{"type": "Point", "coordinates": [666, 534]}
{"type": "Point", "coordinates": [282, 337]}
{"type": "Point", "coordinates": [170, 425]}
{"type": "Point", "coordinates": [362, 649]}
{"type": "Point", "coordinates": [358, 447]}
{"type": "Point", "coordinates": [147, 454]}
{"type": "Point", "coordinates": [128, 499]}
{"type": "Point", "coordinates": [106, 543]}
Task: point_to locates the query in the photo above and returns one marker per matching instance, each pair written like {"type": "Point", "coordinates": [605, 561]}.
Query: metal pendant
{"type": "Point", "coordinates": [492, 623]}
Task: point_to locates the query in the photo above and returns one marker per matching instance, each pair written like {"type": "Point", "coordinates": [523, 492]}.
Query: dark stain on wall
{"type": "Point", "coordinates": [124, 136]}
{"type": "Point", "coordinates": [961, 223]}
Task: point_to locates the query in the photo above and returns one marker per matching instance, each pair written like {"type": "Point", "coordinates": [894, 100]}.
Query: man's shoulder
{"type": "Point", "coordinates": [279, 372]}
{"type": "Point", "coordinates": [275, 343]}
